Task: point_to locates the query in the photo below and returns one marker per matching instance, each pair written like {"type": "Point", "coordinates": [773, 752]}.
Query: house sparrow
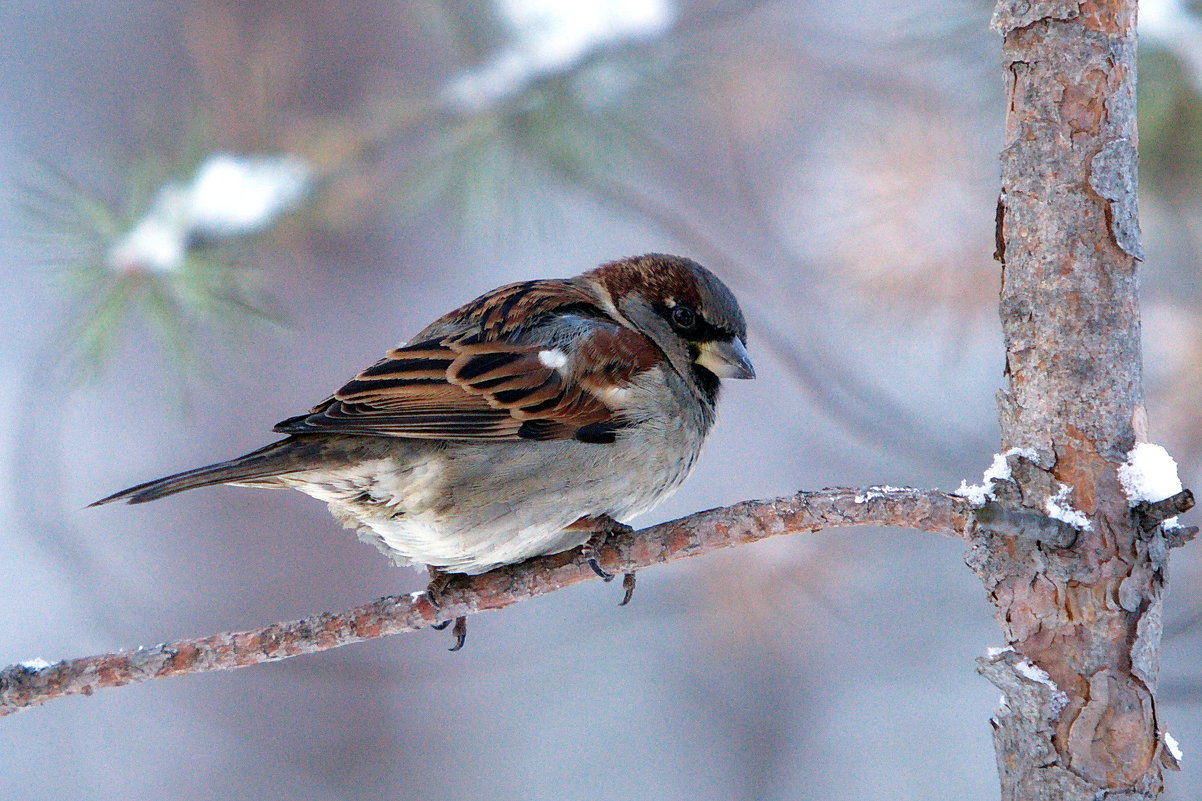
{"type": "Point", "coordinates": [536, 418]}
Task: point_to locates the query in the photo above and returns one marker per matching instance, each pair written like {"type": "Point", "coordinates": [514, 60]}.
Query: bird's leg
{"type": "Point", "coordinates": [439, 581]}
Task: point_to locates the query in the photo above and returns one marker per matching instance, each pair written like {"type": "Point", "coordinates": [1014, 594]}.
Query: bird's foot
{"type": "Point", "coordinates": [439, 581]}
{"type": "Point", "coordinates": [602, 527]}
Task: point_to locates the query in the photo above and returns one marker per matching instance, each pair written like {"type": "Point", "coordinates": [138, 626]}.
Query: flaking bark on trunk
{"type": "Point", "coordinates": [1087, 616]}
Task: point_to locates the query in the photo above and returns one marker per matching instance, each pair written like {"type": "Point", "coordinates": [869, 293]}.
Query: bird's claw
{"type": "Point", "coordinates": [459, 633]}
{"type": "Point", "coordinates": [600, 571]}
{"type": "Point", "coordinates": [628, 585]}
{"type": "Point", "coordinates": [589, 552]}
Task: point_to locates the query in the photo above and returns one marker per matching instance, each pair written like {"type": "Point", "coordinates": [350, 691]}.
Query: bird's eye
{"type": "Point", "coordinates": [683, 317]}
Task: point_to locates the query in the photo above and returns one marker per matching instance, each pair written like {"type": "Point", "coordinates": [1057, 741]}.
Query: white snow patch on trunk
{"type": "Point", "coordinates": [1058, 508]}
{"type": "Point", "coordinates": [1174, 747]}
{"type": "Point", "coordinates": [1150, 474]}
{"type": "Point", "coordinates": [980, 494]}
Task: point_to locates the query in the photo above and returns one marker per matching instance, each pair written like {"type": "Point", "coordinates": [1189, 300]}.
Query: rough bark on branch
{"type": "Point", "coordinates": [23, 686]}
{"type": "Point", "coordinates": [1079, 719]}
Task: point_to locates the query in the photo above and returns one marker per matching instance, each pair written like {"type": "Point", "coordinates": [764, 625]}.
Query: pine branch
{"type": "Point", "coordinates": [24, 686]}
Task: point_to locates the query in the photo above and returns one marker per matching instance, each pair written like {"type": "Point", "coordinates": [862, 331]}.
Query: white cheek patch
{"type": "Point", "coordinates": [554, 359]}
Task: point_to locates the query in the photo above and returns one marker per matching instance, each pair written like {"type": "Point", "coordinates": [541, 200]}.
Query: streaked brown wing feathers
{"type": "Point", "coordinates": [460, 387]}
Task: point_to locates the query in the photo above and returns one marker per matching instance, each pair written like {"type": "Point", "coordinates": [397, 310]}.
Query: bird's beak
{"type": "Point", "coordinates": [726, 359]}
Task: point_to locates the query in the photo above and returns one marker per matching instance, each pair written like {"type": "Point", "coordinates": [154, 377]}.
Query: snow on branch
{"type": "Point", "coordinates": [33, 683]}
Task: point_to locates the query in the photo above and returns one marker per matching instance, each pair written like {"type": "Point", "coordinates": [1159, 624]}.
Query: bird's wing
{"type": "Point", "coordinates": [486, 377]}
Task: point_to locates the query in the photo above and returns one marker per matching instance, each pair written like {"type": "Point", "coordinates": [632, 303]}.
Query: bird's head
{"type": "Point", "coordinates": [686, 311]}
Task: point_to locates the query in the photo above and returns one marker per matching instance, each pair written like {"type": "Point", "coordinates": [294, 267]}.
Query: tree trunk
{"type": "Point", "coordinates": [1078, 720]}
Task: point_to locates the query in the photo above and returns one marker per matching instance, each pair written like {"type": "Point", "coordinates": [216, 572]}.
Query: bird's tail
{"type": "Point", "coordinates": [279, 458]}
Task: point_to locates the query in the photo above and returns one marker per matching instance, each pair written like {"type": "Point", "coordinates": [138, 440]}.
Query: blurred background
{"type": "Point", "coordinates": [216, 212]}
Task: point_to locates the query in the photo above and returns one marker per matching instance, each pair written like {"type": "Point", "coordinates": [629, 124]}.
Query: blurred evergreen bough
{"type": "Point", "coordinates": [169, 248]}
{"type": "Point", "coordinates": [558, 101]}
